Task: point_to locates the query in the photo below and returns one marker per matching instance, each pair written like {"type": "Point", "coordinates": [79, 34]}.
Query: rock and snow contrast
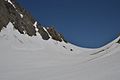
{"type": "Point", "coordinates": [30, 51]}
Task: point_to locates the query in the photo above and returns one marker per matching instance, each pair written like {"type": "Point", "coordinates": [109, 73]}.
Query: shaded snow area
{"type": "Point", "coordinates": [31, 58]}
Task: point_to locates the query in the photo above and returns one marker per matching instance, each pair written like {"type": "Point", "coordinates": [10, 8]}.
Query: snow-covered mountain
{"type": "Point", "coordinates": [30, 51]}
{"type": "Point", "coordinates": [11, 11]}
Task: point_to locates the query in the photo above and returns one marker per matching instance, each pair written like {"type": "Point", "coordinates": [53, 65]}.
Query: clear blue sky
{"type": "Point", "coordinates": [87, 23]}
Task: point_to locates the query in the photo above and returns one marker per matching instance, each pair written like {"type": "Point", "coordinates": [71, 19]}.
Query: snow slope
{"type": "Point", "coordinates": [32, 58]}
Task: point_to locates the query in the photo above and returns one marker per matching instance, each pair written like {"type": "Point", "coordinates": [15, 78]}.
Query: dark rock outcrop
{"type": "Point", "coordinates": [55, 35]}
{"type": "Point", "coordinates": [23, 21]}
{"type": "Point", "coordinates": [118, 41]}
{"type": "Point", "coordinates": [3, 15]}
{"type": "Point", "coordinates": [43, 33]}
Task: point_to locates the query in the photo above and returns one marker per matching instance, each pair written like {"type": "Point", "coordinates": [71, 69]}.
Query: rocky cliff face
{"type": "Point", "coordinates": [55, 35]}
{"type": "Point", "coordinates": [11, 11]}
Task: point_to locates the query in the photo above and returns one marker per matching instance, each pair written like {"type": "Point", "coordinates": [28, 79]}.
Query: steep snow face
{"type": "Point", "coordinates": [26, 58]}
{"type": "Point", "coordinates": [15, 40]}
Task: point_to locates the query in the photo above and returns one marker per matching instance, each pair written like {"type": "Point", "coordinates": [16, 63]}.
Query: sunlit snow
{"type": "Point", "coordinates": [31, 58]}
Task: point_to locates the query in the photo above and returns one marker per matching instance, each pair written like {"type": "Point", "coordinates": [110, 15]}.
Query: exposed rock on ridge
{"type": "Point", "coordinates": [55, 35]}
{"type": "Point", "coordinates": [118, 41]}
{"type": "Point", "coordinates": [11, 11]}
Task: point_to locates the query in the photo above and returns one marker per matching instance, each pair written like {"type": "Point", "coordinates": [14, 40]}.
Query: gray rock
{"type": "Point", "coordinates": [3, 15]}
{"type": "Point", "coordinates": [23, 21]}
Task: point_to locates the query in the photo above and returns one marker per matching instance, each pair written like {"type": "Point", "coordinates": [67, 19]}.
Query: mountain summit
{"type": "Point", "coordinates": [11, 11]}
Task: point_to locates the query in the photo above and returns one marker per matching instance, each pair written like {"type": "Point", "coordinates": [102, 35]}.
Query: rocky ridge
{"type": "Point", "coordinates": [11, 11]}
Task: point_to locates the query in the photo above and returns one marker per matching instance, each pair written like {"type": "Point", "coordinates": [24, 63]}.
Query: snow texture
{"type": "Point", "coordinates": [32, 58]}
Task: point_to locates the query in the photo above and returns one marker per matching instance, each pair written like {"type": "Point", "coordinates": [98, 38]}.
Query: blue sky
{"type": "Point", "coordinates": [86, 23]}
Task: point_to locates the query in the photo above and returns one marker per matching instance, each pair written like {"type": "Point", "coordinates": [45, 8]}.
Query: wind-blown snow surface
{"type": "Point", "coordinates": [31, 58]}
